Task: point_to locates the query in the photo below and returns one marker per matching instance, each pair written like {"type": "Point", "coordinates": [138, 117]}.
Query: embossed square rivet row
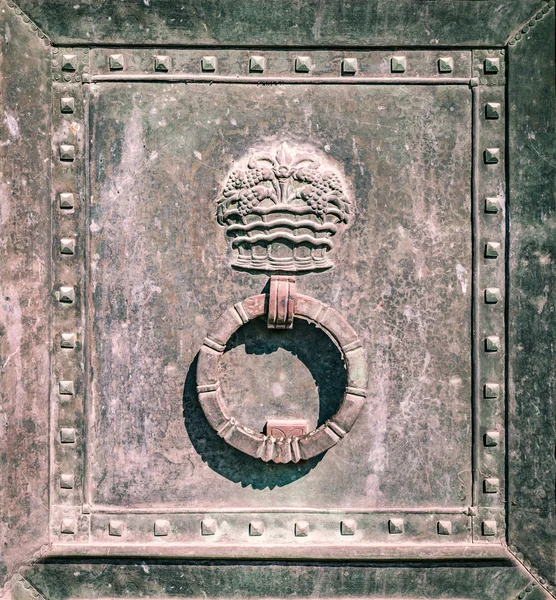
{"type": "Point", "coordinates": [491, 439]}
{"type": "Point", "coordinates": [162, 63]}
{"type": "Point", "coordinates": [492, 295]}
{"type": "Point", "coordinates": [208, 526]}
{"type": "Point", "coordinates": [303, 64]}
{"type": "Point", "coordinates": [492, 110]}
{"type": "Point", "coordinates": [67, 481]}
{"type": "Point", "coordinates": [492, 343]}
{"type": "Point", "coordinates": [492, 205]}
{"type": "Point", "coordinates": [67, 152]}
{"type": "Point", "coordinates": [256, 528]}
{"type": "Point", "coordinates": [161, 527]}
{"type": "Point", "coordinates": [67, 105]}
{"type": "Point", "coordinates": [445, 64]}
{"type": "Point", "coordinates": [491, 390]}
{"type": "Point", "coordinates": [67, 294]}
{"type": "Point", "coordinates": [301, 529]}
{"type": "Point", "coordinates": [491, 485]}
{"type": "Point", "coordinates": [492, 249]}
{"type": "Point", "coordinates": [66, 388]}
{"type": "Point", "coordinates": [67, 340]}
{"type": "Point", "coordinates": [116, 62]}
{"type": "Point", "coordinates": [67, 246]}
{"type": "Point", "coordinates": [67, 526]}
{"type": "Point", "coordinates": [67, 200]}
{"type": "Point", "coordinates": [348, 527]}
{"type": "Point", "coordinates": [398, 64]}
{"type": "Point", "coordinates": [208, 64]}
{"type": "Point", "coordinates": [67, 435]}
{"type": "Point", "coordinates": [257, 64]}
{"type": "Point", "coordinates": [350, 66]}
{"type": "Point", "coordinates": [395, 526]}
{"type": "Point", "coordinates": [492, 156]}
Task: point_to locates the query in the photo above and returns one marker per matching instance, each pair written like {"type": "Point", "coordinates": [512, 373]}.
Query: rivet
{"type": "Point", "coordinates": [491, 390]}
{"type": "Point", "coordinates": [256, 528]}
{"type": "Point", "coordinates": [69, 62]}
{"type": "Point", "coordinates": [208, 526]}
{"type": "Point", "coordinates": [67, 294]}
{"type": "Point", "coordinates": [398, 64]}
{"type": "Point", "coordinates": [489, 528]}
{"type": "Point", "coordinates": [116, 528]}
{"type": "Point", "coordinates": [492, 156]}
{"type": "Point", "coordinates": [162, 63]}
{"type": "Point", "coordinates": [67, 152]}
{"type": "Point", "coordinates": [67, 246]}
{"type": "Point", "coordinates": [492, 110]}
{"type": "Point", "coordinates": [492, 343]}
{"type": "Point", "coordinates": [491, 65]}
{"type": "Point", "coordinates": [492, 296]}
{"type": "Point", "coordinates": [303, 64]}
{"type": "Point", "coordinates": [257, 64]}
{"type": "Point", "coordinates": [67, 105]}
{"type": "Point", "coordinates": [208, 63]}
{"type": "Point", "coordinates": [491, 485]}
{"type": "Point", "coordinates": [492, 249]}
{"type": "Point", "coordinates": [66, 388]}
{"type": "Point", "coordinates": [67, 526]}
{"type": "Point", "coordinates": [66, 200]}
{"type": "Point", "coordinates": [67, 435]}
{"type": "Point", "coordinates": [116, 62]}
{"type": "Point", "coordinates": [491, 439]}
{"type": "Point", "coordinates": [348, 527]}
{"type": "Point", "coordinates": [349, 66]}
{"type": "Point", "coordinates": [395, 526]}
{"type": "Point", "coordinates": [161, 527]}
{"type": "Point", "coordinates": [445, 64]}
{"type": "Point", "coordinates": [444, 527]}
{"type": "Point", "coordinates": [66, 481]}
{"type": "Point", "coordinates": [67, 340]}
{"type": "Point", "coordinates": [301, 529]}
{"type": "Point", "coordinates": [492, 205]}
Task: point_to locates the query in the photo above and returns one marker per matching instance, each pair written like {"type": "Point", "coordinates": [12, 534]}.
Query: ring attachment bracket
{"type": "Point", "coordinates": [281, 302]}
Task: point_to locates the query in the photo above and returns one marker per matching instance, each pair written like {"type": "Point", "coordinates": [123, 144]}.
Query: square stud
{"type": "Point", "coordinates": [492, 156]}
{"type": "Point", "coordinates": [116, 62]}
{"type": "Point", "coordinates": [492, 205]}
{"type": "Point", "coordinates": [67, 340]}
{"type": "Point", "coordinates": [349, 66]}
{"type": "Point", "coordinates": [208, 64]}
{"type": "Point", "coordinates": [66, 388]}
{"type": "Point", "coordinates": [491, 390]}
{"type": "Point", "coordinates": [67, 435]}
{"type": "Point", "coordinates": [492, 250]}
{"type": "Point", "coordinates": [398, 64]}
{"type": "Point", "coordinates": [302, 529]}
{"type": "Point", "coordinates": [116, 528]}
{"type": "Point", "coordinates": [489, 527]}
{"type": "Point", "coordinates": [491, 439]}
{"type": "Point", "coordinates": [67, 294]}
{"type": "Point", "coordinates": [69, 62]}
{"type": "Point", "coordinates": [66, 481]}
{"type": "Point", "coordinates": [303, 64]}
{"type": "Point", "coordinates": [67, 526]}
{"type": "Point", "coordinates": [492, 296]}
{"type": "Point", "coordinates": [444, 527]}
{"type": "Point", "coordinates": [162, 63]}
{"type": "Point", "coordinates": [491, 65]}
{"type": "Point", "coordinates": [348, 527]}
{"type": "Point", "coordinates": [492, 343]}
{"type": "Point", "coordinates": [491, 485]}
{"type": "Point", "coordinates": [161, 527]}
{"type": "Point", "coordinates": [67, 152]}
{"type": "Point", "coordinates": [257, 64]}
{"type": "Point", "coordinates": [256, 528]}
{"type": "Point", "coordinates": [208, 526]}
{"type": "Point", "coordinates": [67, 201]}
{"type": "Point", "coordinates": [492, 110]}
{"type": "Point", "coordinates": [445, 64]}
{"type": "Point", "coordinates": [67, 246]}
{"type": "Point", "coordinates": [395, 526]}
{"type": "Point", "coordinates": [67, 105]}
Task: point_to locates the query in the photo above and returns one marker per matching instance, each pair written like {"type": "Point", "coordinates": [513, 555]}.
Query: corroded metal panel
{"type": "Point", "coordinates": [278, 307]}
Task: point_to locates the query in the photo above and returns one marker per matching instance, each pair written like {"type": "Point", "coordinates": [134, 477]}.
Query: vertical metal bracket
{"type": "Point", "coordinates": [281, 302]}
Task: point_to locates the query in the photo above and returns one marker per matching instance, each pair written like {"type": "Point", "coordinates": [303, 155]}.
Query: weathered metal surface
{"type": "Point", "coordinates": [378, 178]}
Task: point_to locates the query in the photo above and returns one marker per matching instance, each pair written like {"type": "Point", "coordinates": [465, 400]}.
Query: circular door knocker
{"type": "Point", "coordinates": [282, 211]}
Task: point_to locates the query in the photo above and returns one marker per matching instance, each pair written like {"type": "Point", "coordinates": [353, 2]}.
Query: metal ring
{"type": "Point", "coordinates": [259, 445]}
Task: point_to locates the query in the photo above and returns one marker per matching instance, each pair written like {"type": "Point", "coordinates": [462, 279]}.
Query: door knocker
{"type": "Point", "coordinates": [282, 212]}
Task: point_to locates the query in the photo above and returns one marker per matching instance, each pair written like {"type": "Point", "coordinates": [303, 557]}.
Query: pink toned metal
{"type": "Point", "coordinates": [281, 302]}
{"type": "Point", "coordinates": [289, 448]}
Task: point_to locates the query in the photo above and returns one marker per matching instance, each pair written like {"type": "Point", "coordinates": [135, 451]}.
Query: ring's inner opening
{"type": "Point", "coordinates": [268, 374]}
